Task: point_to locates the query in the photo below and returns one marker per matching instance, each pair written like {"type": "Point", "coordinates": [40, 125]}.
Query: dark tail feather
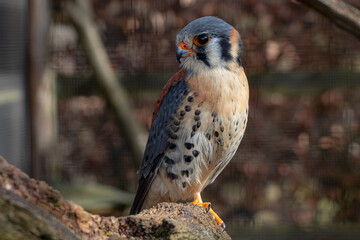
{"type": "Point", "coordinates": [138, 202]}
{"type": "Point", "coordinates": [144, 186]}
{"type": "Point", "coordinates": [143, 189]}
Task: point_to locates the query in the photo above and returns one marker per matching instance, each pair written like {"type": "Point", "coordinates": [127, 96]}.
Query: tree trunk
{"type": "Point", "coordinates": [31, 209]}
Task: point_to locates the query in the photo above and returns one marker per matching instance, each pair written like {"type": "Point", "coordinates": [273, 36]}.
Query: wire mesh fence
{"type": "Point", "coordinates": [298, 163]}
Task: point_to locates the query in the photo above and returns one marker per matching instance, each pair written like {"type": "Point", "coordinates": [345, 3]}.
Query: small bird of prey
{"type": "Point", "coordinates": [199, 119]}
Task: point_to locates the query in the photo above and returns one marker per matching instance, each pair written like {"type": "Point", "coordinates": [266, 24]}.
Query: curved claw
{"type": "Point", "coordinates": [207, 205]}
{"type": "Point", "coordinates": [223, 226]}
{"type": "Point", "coordinates": [208, 208]}
{"type": "Point", "coordinates": [217, 219]}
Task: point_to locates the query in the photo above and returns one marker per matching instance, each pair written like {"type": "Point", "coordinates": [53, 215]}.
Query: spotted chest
{"type": "Point", "coordinates": [204, 132]}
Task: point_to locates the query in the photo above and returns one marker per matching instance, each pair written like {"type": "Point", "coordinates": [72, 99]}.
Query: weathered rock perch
{"type": "Point", "coordinates": [30, 209]}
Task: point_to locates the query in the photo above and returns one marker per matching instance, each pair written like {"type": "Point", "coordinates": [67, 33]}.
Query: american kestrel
{"type": "Point", "coordinates": [199, 118]}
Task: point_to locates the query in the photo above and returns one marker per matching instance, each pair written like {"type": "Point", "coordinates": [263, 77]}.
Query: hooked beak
{"type": "Point", "coordinates": [182, 51]}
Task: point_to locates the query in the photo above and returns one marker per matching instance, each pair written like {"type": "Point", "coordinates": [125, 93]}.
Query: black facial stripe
{"type": "Point", "coordinates": [203, 57]}
{"type": "Point", "coordinates": [238, 59]}
{"type": "Point", "coordinates": [225, 49]}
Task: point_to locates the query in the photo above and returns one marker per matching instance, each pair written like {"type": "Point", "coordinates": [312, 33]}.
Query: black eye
{"type": "Point", "coordinates": [201, 40]}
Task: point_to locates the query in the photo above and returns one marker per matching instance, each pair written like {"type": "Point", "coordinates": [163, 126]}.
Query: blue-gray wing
{"type": "Point", "coordinates": [158, 140]}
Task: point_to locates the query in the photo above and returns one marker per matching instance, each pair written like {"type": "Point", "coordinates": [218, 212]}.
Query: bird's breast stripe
{"type": "Point", "coordinates": [179, 76]}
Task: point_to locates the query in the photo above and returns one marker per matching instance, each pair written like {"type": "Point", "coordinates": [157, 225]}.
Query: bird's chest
{"type": "Point", "coordinates": [222, 100]}
{"type": "Point", "coordinates": [205, 130]}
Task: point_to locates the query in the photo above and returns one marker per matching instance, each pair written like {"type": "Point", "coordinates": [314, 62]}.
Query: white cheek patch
{"type": "Point", "coordinates": [213, 53]}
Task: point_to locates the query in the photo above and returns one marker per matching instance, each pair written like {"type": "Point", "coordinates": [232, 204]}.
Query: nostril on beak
{"type": "Point", "coordinates": [182, 50]}
{"type": "Point", "coordinates": [184, 46]}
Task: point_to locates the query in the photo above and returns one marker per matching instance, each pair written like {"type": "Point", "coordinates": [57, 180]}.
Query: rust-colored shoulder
{"type": "Point", "coordinates": [177, 77]}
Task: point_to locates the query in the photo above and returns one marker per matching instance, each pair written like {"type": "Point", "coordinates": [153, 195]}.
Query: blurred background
{"type": "Point", "coordinates": [298, 166]}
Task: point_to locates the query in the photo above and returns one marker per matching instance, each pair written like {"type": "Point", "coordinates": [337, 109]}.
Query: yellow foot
{"type": "Point", "coordinates": [207, 205]}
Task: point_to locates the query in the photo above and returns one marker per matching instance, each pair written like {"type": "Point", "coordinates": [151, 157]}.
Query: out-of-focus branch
{"type": "Point", "coordinates": [340, 13]}
{"type": "Point", "coordinates": [81, 14]}
{"type": "Point", "coordinates": [42, 97]}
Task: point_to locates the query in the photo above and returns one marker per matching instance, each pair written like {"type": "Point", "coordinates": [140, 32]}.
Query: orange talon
{"type": "Point", "coordinates": [207, 205]}
{"type": "Point", "coordinates": [217, 219]}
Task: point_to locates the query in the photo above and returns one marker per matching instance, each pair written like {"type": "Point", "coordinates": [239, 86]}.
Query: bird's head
{"type": "Point", "coordinates": [208, 43]}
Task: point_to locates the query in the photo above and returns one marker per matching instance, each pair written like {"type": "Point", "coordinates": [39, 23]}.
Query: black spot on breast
{"type": "Point", "coordinates": [188, 158]}
{"type": "Point", "coordinates": [194, 128]}
{"type": "Point", "coordinates": [172, 176]}
{"type": "Point", "coordinates": [184, 184]}
{"type": "Point", "coordinates": [222, 128]}
{"type": "Point", "coordinates": [187, 108]}
{"type": "Point", "coordinates": [176, 122]}
{"type": "Point", "coordinates": [169, 161]}
{"type": "Point", "coordinates": [173, 136]}
{"type": "Point", "coordinates": [192, 134]}
{"type": "Point", "coordinates": [189, 145]}
{"type": "Point", "coordinates": [198, 124]}
{"type": "Point", "coordinates": [182, 113]}
{"type": "Point", "coordinates": [216, 133]}
{"type": "Point", "coordinates": [190, 99]}
{"type": "Point", "coordinates": [185, 172]}
{"type": "Point", "coordinates": [196, 153]}
{"type": "Point", "coordinates": [197, 112]}
{"type": "Point", "coordinates": [196, 118]}
{"type": "Point", "coordinates": [172, 145]}
{"type": "Point", "coordinates": [175, 129]}
{"type": "Point", "coordinates": [208, 136]}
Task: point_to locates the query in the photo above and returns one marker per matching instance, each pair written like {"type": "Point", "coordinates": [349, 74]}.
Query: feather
{"type": "Point", "coordinates": [169, 100]}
